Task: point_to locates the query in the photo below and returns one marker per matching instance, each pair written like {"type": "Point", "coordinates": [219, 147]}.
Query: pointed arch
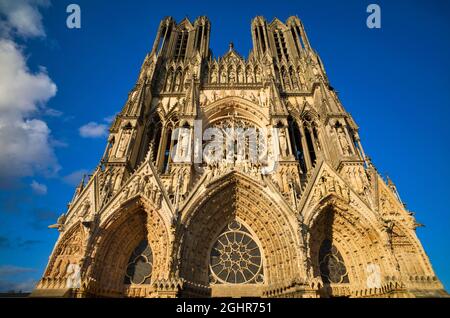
{"type": "Point", "coordinates": [357, 243]}
{"type": "Point", "coordinates": [236, 197]}
{"type": "Point", "coordinates": [119, 235]}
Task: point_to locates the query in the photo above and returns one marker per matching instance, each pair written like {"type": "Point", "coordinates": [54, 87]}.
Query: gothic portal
{"type": "Point", "coordinates": [307, 216]}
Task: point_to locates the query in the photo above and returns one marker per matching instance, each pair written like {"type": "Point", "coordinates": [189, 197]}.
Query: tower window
{"type": "Point", "coordinates": [166, 160]}
{"type": "Point", "coordinates": [199, 37]}
{"type": "Point", "coordinates": [296, 40]}
{"type": "Point", "coordinates": [180, 48]}
{"type": "Point", "coordinates": [296, 143]}
{"type": "Point", "coordinates": [309, 142]}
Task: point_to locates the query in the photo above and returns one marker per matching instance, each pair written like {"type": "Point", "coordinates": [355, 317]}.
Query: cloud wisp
{"type": "Point", "coordinates": [74, 178]}
{"type": "Point", "coordinates": [93, 130]}
{"type": "Point", "coordinates": [38, 188]}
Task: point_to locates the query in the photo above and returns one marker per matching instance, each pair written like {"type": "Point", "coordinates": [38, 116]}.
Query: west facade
{"type": "Point", "coordinates": [309, 216]}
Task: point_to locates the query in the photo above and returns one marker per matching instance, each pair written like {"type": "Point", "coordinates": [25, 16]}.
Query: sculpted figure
{"type": "Point", "coordinates": [232, 77]}
{"type": "Point", "coordinates": [283, 143]}
{"type": "Point", "coordinates": [223, 77]}
{"type": "Point", "coordinates": [249, 77]}
{"type": "Point", "coordinates": [73, 276]}
{"type": "Point", "coordinates": [214, 76]}
{"type": "Point", "coordinates": [177, 82]}
{"type": "Point", "coordinates": [123, 144]}
{"type": "Point", "coordinates": [240, 76]}
{"type": "Point", "coordinates": [343, 141]}
{"type": "Point", "coordinates": [258, 75]}
{"type": "Point", "coordinates": [168, 82]}
{"type": "Point", "coordinates": [203, 99]}
{"type": "Point", "coordinates": [262, 98]}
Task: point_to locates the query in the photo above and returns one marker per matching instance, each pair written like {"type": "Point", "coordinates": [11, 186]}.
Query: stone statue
{"type": "Point", "coordinates": [214, 76]}
{"type": "Point", "coordinates": [169, 82]}
{"type": "Point", "coordinates": [223, 77]}
{"type": "Point", "coordinates": [177, 82]}
{"type": "Point", "coordinates": [240, 76]}
{"type": "Point", "coordinates": [203, 99]}
{"type": "Point", "coordinates": [343, 141]}
{"type": "Point", "coordinates": [262, 98]}
{"type": "Point", "coordinates": [232, 77]}
{"type": "Point", "coordinates": [73, 276]}
{"type": "Point", "coordinates": [249, 77]}
{"type": "Point", "coordinates": [123, 144]}
{"type": "Point", "coordinates": [258, 75]}
{"type": "Point", "coordinates": [283, 143]}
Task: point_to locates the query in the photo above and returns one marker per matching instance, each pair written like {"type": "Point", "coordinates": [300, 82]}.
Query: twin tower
{"type": "Point", "coordinates": [274, 195]}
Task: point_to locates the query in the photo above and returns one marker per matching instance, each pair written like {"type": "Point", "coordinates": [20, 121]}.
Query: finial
{"type": "Point", "coordinates": [231, 46]}
{"type": "Point", "coordinates": [389, 181]}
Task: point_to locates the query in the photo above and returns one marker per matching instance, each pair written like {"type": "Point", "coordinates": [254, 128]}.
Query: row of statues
{"type": "Point", "coordinates": [234, 76]}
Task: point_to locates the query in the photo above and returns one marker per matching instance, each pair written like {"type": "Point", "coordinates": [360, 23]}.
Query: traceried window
{"type": "Point", "coordinates": [332, 267]}
{"type": "Point", "coordinates": [235, 257]}
{"type": "Point", "coordinates": [140, 265]}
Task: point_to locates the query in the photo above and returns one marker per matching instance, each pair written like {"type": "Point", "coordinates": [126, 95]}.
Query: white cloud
{"type": "Point", "coordinates": [20, 90]}
{"type": "Point", "coordinates": [25, 142]}
{"type": "Point", "coordinates": [110, 119]}
{"type": "Point", "coordinates": [52, 112]}
{"type": "Point", "coordinates": [38, 188]}
{"type": "Point", "coordinates": [22, 17]}
{"type": "Point", "coordinates": [75, 177]}
{"type": "Point", "coordinates": [93, 130]}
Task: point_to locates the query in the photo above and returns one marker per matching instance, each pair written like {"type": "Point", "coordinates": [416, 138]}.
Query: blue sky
{"type": "Point", "coordinates": [394, 81]}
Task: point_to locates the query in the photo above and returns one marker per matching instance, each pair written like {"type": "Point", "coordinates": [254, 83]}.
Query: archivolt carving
{"type": "Point", "coordinates": [359, 243]}
{"type": "Point", "coordinates": [118, 237]}
{"type": "Point", "coordinates": [225, 107]}
{"type": "Point", "coordinates": [230, 199]}
{"type": "Point", "coordinates": [68, 252]}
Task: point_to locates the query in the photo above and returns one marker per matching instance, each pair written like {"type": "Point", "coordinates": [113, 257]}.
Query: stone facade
{"type": "Point", "coordinates": [323, 223]}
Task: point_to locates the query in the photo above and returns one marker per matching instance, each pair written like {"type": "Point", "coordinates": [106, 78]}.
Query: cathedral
{"type": "Point", "coordinates": [236, 177]}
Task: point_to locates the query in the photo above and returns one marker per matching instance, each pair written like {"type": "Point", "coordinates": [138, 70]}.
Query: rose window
{"type": "Point", "coordinates": [140, 264]}
{"type": "Point", "coordinates": [235, 257]}
{"type": "Point", "coordinates": [332, 267]}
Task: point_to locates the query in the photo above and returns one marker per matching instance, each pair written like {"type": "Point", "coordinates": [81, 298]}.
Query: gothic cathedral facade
{"type": "Point", "coordinates": [308, 216]}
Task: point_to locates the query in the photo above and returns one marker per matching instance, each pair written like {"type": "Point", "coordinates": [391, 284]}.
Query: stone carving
{"type": "Point", "coordinates": [329, 185]}
{"type": "Point", "coordinates": [283, 143]}
{"type": "Point", "coordinates": [263, 100]}
{"type": "Point", "coordinates": [177, 84]}
{"type": "Point", "coordinates": [123, 144]}
{"type": "Point", "coordinates": [203, 99]}
{"type": "Point", "coordinates": [214, 76]}
{"type": "Point", "coordinates": [343, 142]}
